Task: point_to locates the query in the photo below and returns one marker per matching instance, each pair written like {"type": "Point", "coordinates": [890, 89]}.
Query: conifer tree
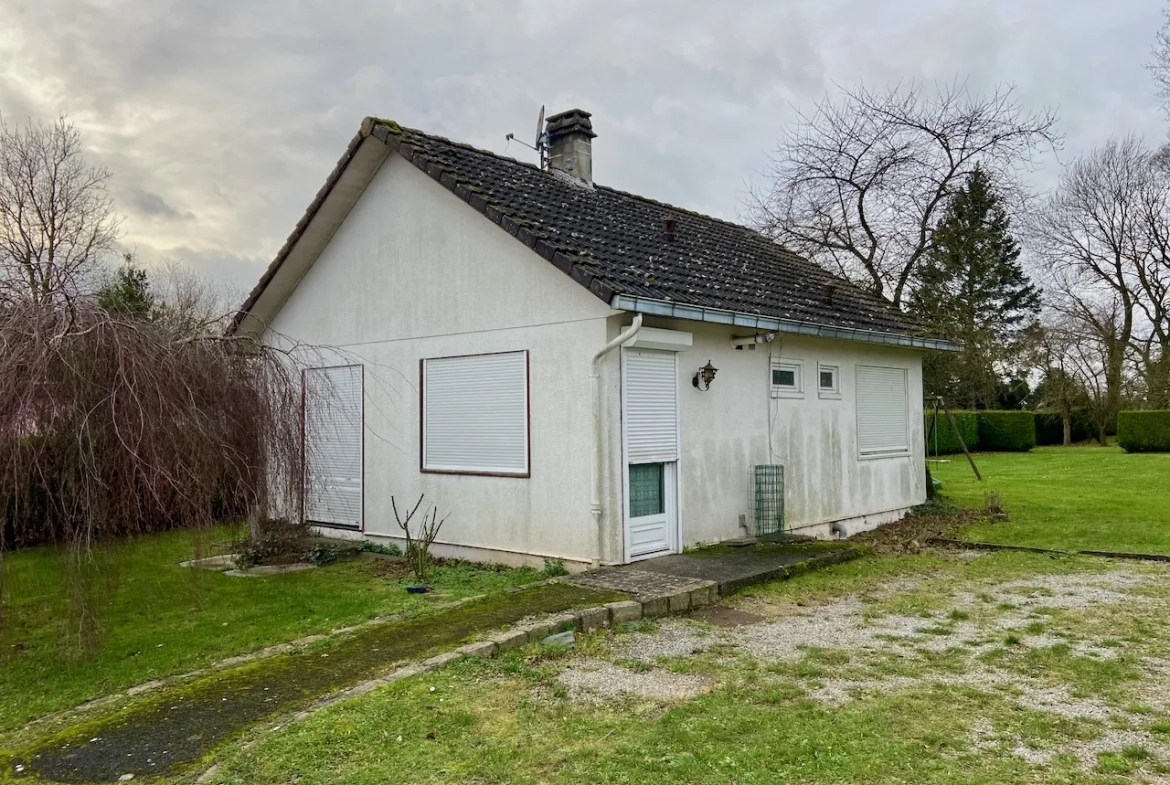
{"type": "Point", "coordinates": [972, 289]}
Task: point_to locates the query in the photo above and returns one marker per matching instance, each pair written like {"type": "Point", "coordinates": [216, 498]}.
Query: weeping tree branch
{"type": "Point", "coordinates": [112, 426]}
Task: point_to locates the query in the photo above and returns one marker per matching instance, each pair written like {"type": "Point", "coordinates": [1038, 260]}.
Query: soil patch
{"type": "Point", "coordinates": [594, 681]}
{"type": "Point", "coordinates": [912, 533]}
{"type": "Point", "coordinates": [722, 616]}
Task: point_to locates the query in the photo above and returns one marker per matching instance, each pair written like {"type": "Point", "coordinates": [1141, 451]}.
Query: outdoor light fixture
{"type": "Point", "coordinates": [704, 377]}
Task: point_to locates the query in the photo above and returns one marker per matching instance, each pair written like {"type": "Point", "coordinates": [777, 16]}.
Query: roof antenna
{"type": "Point", "coordinates": [541, 143]}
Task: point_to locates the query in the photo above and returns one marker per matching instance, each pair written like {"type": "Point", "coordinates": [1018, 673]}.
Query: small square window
{"type": "Point", "coordinates": [829, 384]}
{"type": "Point", "coordinates": [786, 379]}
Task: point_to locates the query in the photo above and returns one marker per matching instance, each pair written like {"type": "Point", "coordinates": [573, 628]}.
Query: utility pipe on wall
{"type": "Point", "coordinates": [595, 392]}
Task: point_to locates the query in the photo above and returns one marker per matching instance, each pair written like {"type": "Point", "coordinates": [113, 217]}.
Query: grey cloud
{"type": "Point", "coordinates": [220, 119]}
{"type": "Point", "coordinates": [151, 204]}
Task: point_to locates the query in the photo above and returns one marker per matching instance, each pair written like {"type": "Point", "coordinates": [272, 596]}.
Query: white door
{"type": "Point", "coordinates": [333, 446]}
{"type": "Point", "coordinates": [651, 437]}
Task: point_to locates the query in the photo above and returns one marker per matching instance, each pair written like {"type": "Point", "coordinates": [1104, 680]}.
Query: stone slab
{"type": "Point", "coordinates": [727, 568]}
{"type": "Point", "coordinates": [512, 639]}
{"type": "Point", "coordinates": [265, 570]}
{"type": "Point", "coordinates": [594, 619]}
{"type": "Point", "coordinates": [479, 649]}
{"type": "Point", "coordinates": [653, 607]}
{"type": "Point", "coordinates": [225, 562]}
{"type": "Point", "coordinates": [624, 612]}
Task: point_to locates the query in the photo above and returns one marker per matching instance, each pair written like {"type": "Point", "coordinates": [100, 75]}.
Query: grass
{"type": "Point", "coordinates": [1074, 498]}
{"type": "Point", "coordinates": [159, 619]}
{"type": "Point", "coordinates": [499, 722]}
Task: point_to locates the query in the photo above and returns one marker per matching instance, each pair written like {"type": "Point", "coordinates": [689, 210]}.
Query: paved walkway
{"type": "Point", "coordinates": [730, 567]}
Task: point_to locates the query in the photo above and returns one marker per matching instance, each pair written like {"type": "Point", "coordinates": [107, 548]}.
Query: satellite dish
{"type": "Point", "coordinates": [540, 129]}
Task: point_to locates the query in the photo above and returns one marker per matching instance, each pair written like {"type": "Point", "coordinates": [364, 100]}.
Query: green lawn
{"type": "Point", "coordinates": [1077, 498]}
{"type": "Point", "coordinates": [159, 619]}
{"type": "Point", "coordinates": [911, 717]}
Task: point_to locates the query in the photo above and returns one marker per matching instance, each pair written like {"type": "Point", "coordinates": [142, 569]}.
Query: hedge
{"type": "Point", "coordinates": [1007, 431]}
{"type": "Point", "coordinates": [1147, 431]}
{"type": "Point", "coordinates": [1050, 427]}
{"type": "Point", "coordinates": [968, 424]}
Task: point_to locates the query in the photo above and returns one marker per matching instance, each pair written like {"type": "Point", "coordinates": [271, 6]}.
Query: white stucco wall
{"type": "Point", "coordinates": [413, 273]}
{"type": "Point", "coordinates": [737, 424]}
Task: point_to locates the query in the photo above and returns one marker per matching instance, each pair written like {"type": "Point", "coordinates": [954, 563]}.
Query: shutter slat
{"type": "Point", "coordinates": [333, 445]}
{"type": "Point", "coordinates": [883, 410]}
{"type": "Point", "coordinates": [651, 390]}
{"type": "Point", "coordinates": [475, 413]}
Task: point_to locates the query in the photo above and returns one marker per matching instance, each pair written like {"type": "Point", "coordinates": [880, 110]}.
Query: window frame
{"type": "Point", "coordinates": [782, 390]}
{"type": "Point", "coordinates": [833, 392]}
{"type": "Point", "coordinates": [470, 471]}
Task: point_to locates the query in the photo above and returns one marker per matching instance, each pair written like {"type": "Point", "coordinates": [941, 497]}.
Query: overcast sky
{"type": "Point", "coordinates": [221, 118]}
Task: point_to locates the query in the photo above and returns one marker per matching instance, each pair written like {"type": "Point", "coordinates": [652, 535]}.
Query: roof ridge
{"type": "Point", "coordinates": [396, 127]}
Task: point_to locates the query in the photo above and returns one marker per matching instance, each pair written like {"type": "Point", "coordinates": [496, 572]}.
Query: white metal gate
{"type": "Point", "coordinates": [333, 445]}
{"type": "Point", "coordinates": [651, 436]}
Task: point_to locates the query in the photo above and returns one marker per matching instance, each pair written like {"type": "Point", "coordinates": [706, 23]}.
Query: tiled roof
{"type": "Point", "coordinates": [615, 243]}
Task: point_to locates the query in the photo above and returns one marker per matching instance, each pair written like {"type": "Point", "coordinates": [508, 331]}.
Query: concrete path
{"type": "Point", "coordinates": [729, 567]}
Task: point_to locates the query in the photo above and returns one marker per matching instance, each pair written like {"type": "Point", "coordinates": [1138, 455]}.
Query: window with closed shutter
{"type": "Point", "coordinates": [333, 445]}
{"type": "Point", "coordinates": [651, 401]}
{"type": "Point", "coordinates": [475, 414]}
{"type": "Point", "coordinates": [883, 411]}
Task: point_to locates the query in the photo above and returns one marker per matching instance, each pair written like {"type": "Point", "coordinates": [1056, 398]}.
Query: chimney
{"type": "Point", "coordinates": [570, 143]}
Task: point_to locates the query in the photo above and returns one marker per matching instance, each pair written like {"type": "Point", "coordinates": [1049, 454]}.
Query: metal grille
{"type": "Point", "coordinates": [768, 500]}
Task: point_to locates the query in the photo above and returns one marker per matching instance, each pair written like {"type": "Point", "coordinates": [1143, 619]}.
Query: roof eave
{"type": "Point", "coordinates": [695, 313]}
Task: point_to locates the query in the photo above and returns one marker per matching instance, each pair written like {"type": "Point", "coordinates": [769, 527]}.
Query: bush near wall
{"type": "Point", "coordinates": [1147, 431]}
{"type": "Point", "coordinates": [1007, 431]}
{"type": "Point", "coordinates": [1050, 427]}
{"type": "Point", "coordinates": [968, 424]}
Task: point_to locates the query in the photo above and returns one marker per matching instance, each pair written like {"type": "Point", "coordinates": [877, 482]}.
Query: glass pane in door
{"type": "Point", "coordinates": [647, 495]}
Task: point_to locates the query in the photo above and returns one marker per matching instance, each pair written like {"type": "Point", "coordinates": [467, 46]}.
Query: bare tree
{"type": "Point", "coordinates": [1063, 387]}
{"type": "Point", "coordinates": [196, 299]}
{"type": "Point", "coordinates": [1160, 65]}
{"type": "Point", "coordinates": [858, 185]}
{"type": "Point", "coordinates": [57, 220]}
{"type": "Point", "coordinates": [1104, 235]}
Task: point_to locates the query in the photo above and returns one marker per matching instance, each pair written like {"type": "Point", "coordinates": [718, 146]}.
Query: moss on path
{"type": "Point", "coordinates": [179, 726]}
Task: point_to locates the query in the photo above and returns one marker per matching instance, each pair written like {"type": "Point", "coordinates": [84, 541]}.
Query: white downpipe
{"type": "Point", "coordinates": [595, 392]}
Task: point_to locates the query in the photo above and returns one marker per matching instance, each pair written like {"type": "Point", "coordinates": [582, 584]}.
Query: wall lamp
{"type": "Point", "coordinates": [704, 376]}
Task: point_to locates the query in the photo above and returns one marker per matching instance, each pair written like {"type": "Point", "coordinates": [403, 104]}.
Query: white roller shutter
{"type": "Point", "coordinates": [651, 401]}
{"type": "Point", "coordinates": [333, 445]}
{"type": "Point", "coordinates": [475, 414]}
{"type": "Point", "coordinates": [883, 411]}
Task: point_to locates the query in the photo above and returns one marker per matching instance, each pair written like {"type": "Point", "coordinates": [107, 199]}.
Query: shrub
{"type": "Point", "coordinates": [947, 444]}
{"type": "Point", "coordinates": [1007, 431]}
{"type": "Point", "coordinates": [1147, 431]}
{"type": "Point", "coordinates": [1050, 427]}
{"type": "Point", "coordinates": [554, 568]}
{"type": "Point", "coordinates": [375, 547]}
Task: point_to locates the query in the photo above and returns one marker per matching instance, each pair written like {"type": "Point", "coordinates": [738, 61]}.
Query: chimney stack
{"type": "Point", "coordinates": [570, 143]}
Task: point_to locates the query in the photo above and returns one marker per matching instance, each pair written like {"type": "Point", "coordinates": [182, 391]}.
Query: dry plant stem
{"type": "Point", "coordinates": [418, 545]}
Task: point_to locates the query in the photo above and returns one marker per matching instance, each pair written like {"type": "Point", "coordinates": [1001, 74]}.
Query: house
{"type": "Point", "coordinates": [574, 372]}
